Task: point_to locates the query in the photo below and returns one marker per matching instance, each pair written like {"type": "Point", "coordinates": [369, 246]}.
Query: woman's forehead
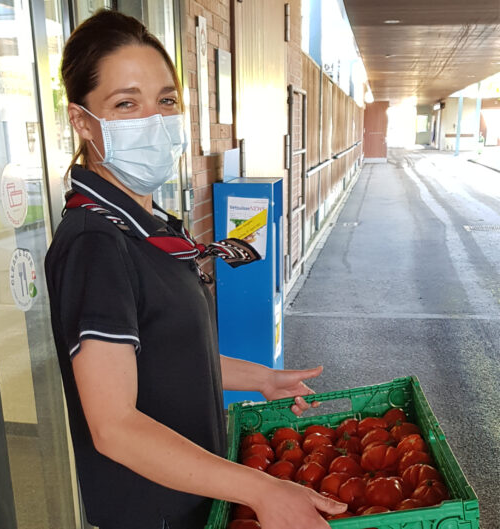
{"type": "Point", "coordinates": [137, 65]}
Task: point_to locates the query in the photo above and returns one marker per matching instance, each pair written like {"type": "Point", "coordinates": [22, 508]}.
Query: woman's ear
{"type": "Point", "coordinates": [80, 121]}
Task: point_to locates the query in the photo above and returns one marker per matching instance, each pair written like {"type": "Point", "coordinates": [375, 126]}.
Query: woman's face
{"type": "Point", "coordinates": [133, 82]}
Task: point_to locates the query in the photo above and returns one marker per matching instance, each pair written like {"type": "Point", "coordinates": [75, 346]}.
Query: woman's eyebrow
{"type": "Point", "coordinates": [168, 89]}
{"type": "Point", "coordinates": [132, 90]}
{"type": "Point", "coordinates": [135, 90]}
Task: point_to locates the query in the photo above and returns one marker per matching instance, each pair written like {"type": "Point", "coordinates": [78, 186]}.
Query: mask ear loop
{"type": "Point", "coordinates": [92, 141]}
{"type": "Point", "coordinates": [97, 151]}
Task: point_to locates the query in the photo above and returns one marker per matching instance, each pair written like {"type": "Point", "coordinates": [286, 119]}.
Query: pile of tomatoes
{"type": "Point", "coordinates": [375, 465]}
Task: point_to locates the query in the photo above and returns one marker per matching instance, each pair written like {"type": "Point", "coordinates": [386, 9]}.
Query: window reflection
{"type": "Point", "coordinates": [33, 432]}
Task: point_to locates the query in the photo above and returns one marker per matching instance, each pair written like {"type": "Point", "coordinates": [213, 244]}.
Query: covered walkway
{"type": "Point", "coordinates": [407, 283]}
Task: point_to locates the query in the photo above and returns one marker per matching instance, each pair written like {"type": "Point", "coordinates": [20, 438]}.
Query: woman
{"type": "Point", "coordinates": [133, 323]}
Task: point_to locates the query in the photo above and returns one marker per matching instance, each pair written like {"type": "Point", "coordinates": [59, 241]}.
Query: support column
{"type": "Point", "coordinates": [459, 123]}
{"type": "Point", "coordinates": [478, 110]}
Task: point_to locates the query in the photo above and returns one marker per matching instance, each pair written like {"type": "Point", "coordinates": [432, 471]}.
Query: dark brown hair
{"type": "Point", "coordinates": [94, 39]}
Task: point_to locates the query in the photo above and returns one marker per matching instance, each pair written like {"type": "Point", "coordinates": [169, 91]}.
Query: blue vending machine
{"type": "Point", "coordinates": [250, 297]}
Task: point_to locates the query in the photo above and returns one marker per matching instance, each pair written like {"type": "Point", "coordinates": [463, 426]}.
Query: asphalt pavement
{"type": "Point", "coordinates": [407, 283]}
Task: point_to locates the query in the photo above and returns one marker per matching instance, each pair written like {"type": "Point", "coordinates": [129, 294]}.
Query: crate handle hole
{"type": "Point", "coordinates": [330, 406]}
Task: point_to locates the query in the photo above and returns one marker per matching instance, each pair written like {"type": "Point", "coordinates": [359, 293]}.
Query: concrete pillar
{"type": "Point", "coordinates": [459, 123]}
{"type": "Point", "coordinates": [478, 109]}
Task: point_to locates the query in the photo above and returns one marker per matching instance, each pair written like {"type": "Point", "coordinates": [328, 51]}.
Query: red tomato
{"type": "Point", "coordinates": [356, 457]}
{"type": "Point", "coordinates": [314, 440]}
{"type": "Point", "coordinates": [416, 474]}
{"type": "Point", "coordinates": [411, 442]}
{"type": "Point", "coordinates": [369, 423]}
{"type": "Point", "coordinates": [395, 416]}
{"type": "Point", "coordinates": [378, 443]}
{"type": "Point", "coordinates": [349, 425]}
{"type": "Point", "coordinates": [291, 452]}
{"type": "Point", "coordinates": [317, 457]}
{"type": "Point", "coordinates": [375, 509]}
{"type": "Point", "coordinates": [331, 483]}
{"type": "Point", "coordinates": [380, 457]}
{"type": "Point", "coordinates": [256, 461]}
{"type": "Point", "coordinates": [244, 524]}
{"type": "Point", "coordinates": [351, 443]}
{"type": "Point", "coordinates": [345, 464]}
{"type": "Point", "coordinates": [374, 474]}
{"type": "Point", "coordinates": [287, 444]}
{"type": "Point", "coordinates": [407, 490]}
{"type": "Point", "coordinates": [254, 439]}
{"type": "Point", "coordinates": [263, 450]}
{"type": "Point", "coordinates": [413, 457]}
{"type": "Point", "coordinates": [409, 503]}
{"type": "Point", "coordinates": [402, 430]}
{"type": "Point", "coordinates": [386, 492]}
{"type": "Point", "coordinates": [310, 472]}
{"type": "Point", "coordinates": [376, 435]}
{"type": "Point", "coordinates": [323, 430]}
{"type": "Point", "coordinates": [329, 451]}
{"type": "Point", "coordinates": [282, 469]}
{"type": "Point", "coordinates": [352, 492]}
{"type": "Point", "coordinates": [285, 434]}
{"type": "Point", "coordinates": [331, 496]}
{"type": "Point", "coordinates": [431, 492]}
{"type": "Point", "coordinates": [243, 512]}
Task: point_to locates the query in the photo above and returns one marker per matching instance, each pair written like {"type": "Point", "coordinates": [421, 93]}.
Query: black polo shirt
{"type": "Point", "coordinates": [110, 284]}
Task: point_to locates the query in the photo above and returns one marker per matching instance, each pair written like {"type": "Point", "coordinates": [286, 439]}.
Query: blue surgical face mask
{"type": "Point", "coordinates": [142, 153]}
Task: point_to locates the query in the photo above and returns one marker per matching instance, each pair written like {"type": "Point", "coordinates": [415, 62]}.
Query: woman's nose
{"type": "Point", "coordinates": [150, 109]}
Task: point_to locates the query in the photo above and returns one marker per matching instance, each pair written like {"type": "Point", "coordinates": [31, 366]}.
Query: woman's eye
{"type": "Point", "coordinates": [169, 101]}
{"type": "Point", "coordinates": [124, 104]}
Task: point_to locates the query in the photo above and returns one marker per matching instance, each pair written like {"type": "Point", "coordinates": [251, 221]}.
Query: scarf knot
{"type": "Point", "coordinates": [179, 244]}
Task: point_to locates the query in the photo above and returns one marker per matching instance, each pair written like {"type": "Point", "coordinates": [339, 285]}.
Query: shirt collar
{"type": "Point", "coordinates": [141, 223]}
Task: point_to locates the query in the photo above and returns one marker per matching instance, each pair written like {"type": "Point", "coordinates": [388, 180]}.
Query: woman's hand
{"type": "Point", "coordinates": [284, 504]}
{"type": "Point", "coordinates": [241, 375]}
{"type": "Point", "coordinates": [290, 383]}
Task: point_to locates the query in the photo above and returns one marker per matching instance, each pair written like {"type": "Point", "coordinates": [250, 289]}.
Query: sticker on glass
{"type": "Point", "coordinates": [14, 195]}
{"type": "Point", "coordinates": [22, 276]}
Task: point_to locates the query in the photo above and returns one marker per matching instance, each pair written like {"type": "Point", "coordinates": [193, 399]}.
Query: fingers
{"type": "Point", "coordinates": [324, 504]}
{"type": "Point", "coordinates": [312, 373]}
{"type": "Point", "coordinates": [301, 406]}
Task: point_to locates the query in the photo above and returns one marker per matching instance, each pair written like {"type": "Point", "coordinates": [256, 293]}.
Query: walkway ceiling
{"type": "Point", "coordinates": [436, 48]}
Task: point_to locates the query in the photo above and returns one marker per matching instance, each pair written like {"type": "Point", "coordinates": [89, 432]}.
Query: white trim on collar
{"type": "Point", "coordinates": [159, 213]}
{"type": "Point", "coordinates": [102, 199]}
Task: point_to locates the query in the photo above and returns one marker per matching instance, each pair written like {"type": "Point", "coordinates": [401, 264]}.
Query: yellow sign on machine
{"type": "Point", "coordinates": [250, 226]}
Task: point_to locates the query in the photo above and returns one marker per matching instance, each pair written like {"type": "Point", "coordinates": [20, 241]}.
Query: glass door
{"type": "Point", "coordinates": [38, 483]}
{"type": "Point", "coordinates": [36, 471]}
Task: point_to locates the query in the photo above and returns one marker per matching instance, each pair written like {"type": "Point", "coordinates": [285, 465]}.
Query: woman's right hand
{"type": "Point", "coordinates": [282, 504]}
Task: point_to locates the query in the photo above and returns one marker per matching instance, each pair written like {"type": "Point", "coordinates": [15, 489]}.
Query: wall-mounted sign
{"type": "Point", "coordinates": [14, 195]}
{"type": "Point", "coordinates": [203, 97]}
{"type": "Point", "coordinates": [22, 279]}
{"type": "Point", "coordinates": [247, 220]}
{"type": "Point", "coordinates": [224, 87]}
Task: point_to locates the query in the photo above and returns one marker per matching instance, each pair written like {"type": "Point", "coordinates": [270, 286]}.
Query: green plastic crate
{"type": "Point", "coordinates": [460, 512]}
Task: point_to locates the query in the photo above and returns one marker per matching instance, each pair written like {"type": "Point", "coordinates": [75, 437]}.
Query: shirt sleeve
{"type": "Point", "coordinates": [98, 295]}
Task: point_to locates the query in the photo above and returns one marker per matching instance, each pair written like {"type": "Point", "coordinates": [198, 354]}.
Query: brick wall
{"type": "Point", "coordinates": [206, 169]}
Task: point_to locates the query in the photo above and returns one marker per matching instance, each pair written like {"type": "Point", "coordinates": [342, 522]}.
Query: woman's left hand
{"type": "Point", "coordinates": [289, 383]}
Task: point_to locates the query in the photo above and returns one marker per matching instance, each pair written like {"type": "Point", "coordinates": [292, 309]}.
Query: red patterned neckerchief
{"type": "Point", "coordinates": [234, 252]}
